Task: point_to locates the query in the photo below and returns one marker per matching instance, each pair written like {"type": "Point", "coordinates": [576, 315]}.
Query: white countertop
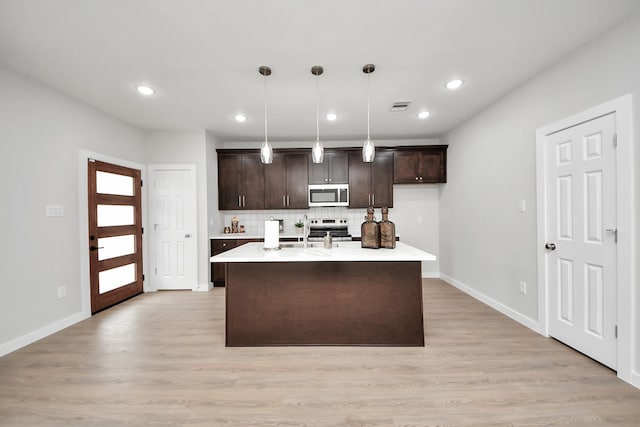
{"type": "Point", "coordinates": [342, 251]}
{"type": "Point", "coordinates": [252, 236]}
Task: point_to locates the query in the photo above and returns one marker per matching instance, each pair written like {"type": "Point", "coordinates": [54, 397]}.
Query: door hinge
{"type": "Point", "coordinates": [143, 277]}
{"type": "Point", "coordinates": [615, 139]}
{"type": "Point", "coordinates": [141, 230]}
{"type": "Point", "coordinates": [615, 331]}
{"type": "Point", "coordinates": [141, 183]}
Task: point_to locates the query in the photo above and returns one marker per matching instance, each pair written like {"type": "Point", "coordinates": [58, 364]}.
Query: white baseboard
{"type": "Point", "coordinates": [509, 312]}
{"type": "Point", "coordinates": [430, 275]}
{"type": "Point", "coordinates": [635, 379]}
{"type": "Point", "coordinates": [38, 334]}
{"type": "Point", "coordinates": [204, 287]}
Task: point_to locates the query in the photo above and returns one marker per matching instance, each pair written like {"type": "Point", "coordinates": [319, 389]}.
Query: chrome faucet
{"type": "Point", "coordinates": [305, 231]}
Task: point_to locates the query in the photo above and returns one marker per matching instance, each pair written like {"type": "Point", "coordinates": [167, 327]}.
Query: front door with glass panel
{"type": "Point", "coordinates": [115, 233]}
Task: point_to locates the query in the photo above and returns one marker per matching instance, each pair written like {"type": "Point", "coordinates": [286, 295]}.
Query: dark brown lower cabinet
{"type": "Point", "coordinates": [219, 246]}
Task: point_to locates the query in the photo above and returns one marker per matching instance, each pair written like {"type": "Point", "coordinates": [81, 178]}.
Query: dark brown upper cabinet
{"type": "Point", "coordinates": [240, 181]}
{"type": "Point", "coordinates": [371, 184]}
{"type": "Point", "coordinates": [333, 170]}
{"type": "Point", "coordinates": [420, 165]}
{"type": "Point", "coordinates": [286, 182]}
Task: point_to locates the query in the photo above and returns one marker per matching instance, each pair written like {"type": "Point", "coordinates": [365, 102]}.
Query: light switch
{"type": "Point", "coordinates": [522, 205]}
{"type": "Point", "coordinates": [55, 210]}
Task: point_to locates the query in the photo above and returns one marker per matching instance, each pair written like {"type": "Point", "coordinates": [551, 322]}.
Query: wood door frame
{"type": "Point", "coordinates": [83, 221]}
{"type": "Point", "coordinates": [622, 107]}
{"type": "Point", "coordinates": [150, 284]}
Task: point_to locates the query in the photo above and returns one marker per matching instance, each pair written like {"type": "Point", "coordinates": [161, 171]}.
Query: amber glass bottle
{"type": "Point", "coordinates": [387, 231]}
{"type": "Point", "coordinates": [370, 231]}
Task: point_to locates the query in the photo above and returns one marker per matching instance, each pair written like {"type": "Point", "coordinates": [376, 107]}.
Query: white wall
{"type": "Point", "coordinates": [413, 201]}
{"type": "Point", "coordinates": [187, 147]}
{"type": "Point", "coordinates": [41, 134]}
{"type": "Point", "coordinates": [215, 219]}
{"type": "Point", "coordinates": [485, 243]}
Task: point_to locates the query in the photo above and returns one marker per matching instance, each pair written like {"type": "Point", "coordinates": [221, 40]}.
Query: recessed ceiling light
{"type": "Point", "coordinates": [241, 118]}
{"type": "Point", "coordinates": [332, 117]}
{"type": "Point", "coordinates": [145, 90]}
{"type": "Point", "coordinates": [423, 114]}
{"type": "Point", "coordinates": [454, 84]}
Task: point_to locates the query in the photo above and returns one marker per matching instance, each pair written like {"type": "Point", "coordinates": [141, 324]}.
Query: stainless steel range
{"type": "Point", "coordinates": [338, 228]}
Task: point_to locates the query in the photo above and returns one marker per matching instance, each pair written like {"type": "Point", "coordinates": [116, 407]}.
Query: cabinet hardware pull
{"type": "Point", "coordinates": [416, 178]}
{"type": "Point", "coordinates": [284, 203]}
{"type": "Point", "coordinates": [373, 197]}
{"type": "Point", "coordinates": [239, 201]}
{"type": "Point", "coordinates": [287, 200]}
{"type": "Point", "coordinates": [244, 203]}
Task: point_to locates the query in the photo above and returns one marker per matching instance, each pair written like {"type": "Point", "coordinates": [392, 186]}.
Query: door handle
{"type": "Point", "coordinates": [187, 235]}
{"type": "Point", "coordinates": [95, 248]}
{"type": "Point", "coordinates": [550, 246]}
{"type": "Point", "coordinates": [615, 233]}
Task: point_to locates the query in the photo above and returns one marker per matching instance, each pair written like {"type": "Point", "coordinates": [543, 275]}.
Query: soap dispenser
{"type": "Point", "coordinates": [328, 241]}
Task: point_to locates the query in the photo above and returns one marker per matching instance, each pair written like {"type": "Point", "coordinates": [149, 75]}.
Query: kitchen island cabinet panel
{"type": "Point", "coordinates": [346, 295]}
{"type": "Point", "coordinates": [324, 303]}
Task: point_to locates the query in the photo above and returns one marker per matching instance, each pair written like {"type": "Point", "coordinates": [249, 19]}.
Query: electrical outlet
{"type": "Point", "coordinates": [523, 288]}
{"type": "Point", "coordinates": [62, 291]}
{"type": "Point", "coordinates": [419, 219]}
{"type": "Point", "coordinates": [55, 210]}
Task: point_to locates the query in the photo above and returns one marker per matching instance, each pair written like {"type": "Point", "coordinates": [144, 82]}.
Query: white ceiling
{"type": "Point", "coordinates": [202, 57]}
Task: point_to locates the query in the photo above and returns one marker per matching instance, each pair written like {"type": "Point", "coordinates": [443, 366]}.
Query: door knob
{"type": "Point", "coordinates": [187, 235]}
{"type": "Point", "coordinates": [550, 246]}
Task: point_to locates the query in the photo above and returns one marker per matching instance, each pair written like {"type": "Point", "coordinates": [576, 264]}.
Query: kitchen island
{"type": "Point", "coordinates": [346, 295]}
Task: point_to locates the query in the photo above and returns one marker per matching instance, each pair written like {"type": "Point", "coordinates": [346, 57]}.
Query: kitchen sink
{"type": "Point", "coordinates": [300, 245]}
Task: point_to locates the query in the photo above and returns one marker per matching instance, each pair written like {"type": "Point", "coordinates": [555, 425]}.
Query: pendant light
{"type": "Point", "coordinates": [317, 152]}
{"type": "Point", "coordinates": [266, 150]}
{"type": "Point", "coordinates": [368, 149]}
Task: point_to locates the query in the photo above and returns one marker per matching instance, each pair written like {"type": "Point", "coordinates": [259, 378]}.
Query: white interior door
{"type": "Point", "coordinates": [173, 211]}
{"type": "Point", "coordinates": [582, 236]}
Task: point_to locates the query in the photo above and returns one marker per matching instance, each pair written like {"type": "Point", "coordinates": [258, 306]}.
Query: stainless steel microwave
{"type": "Point", "coordinates": [329, 195]}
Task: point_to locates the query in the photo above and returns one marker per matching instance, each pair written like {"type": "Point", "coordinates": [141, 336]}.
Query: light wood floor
{"type": "Point", "coordinates": [160, 359]}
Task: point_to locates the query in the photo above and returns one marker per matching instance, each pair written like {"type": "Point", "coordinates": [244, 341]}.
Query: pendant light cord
{"type": "Point", "coordinates": [368, 101]}
{"type": "Point", "coordinates": [317, 113]}
{"type": "Point", "coordinates": [265, 108]}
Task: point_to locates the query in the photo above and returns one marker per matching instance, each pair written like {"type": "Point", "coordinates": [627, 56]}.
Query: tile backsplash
{"type": "Point", "coordinates": [253, 221]}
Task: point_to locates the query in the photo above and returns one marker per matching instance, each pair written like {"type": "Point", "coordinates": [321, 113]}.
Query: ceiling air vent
{"type": "Point", "coordinates": [400, 106]}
